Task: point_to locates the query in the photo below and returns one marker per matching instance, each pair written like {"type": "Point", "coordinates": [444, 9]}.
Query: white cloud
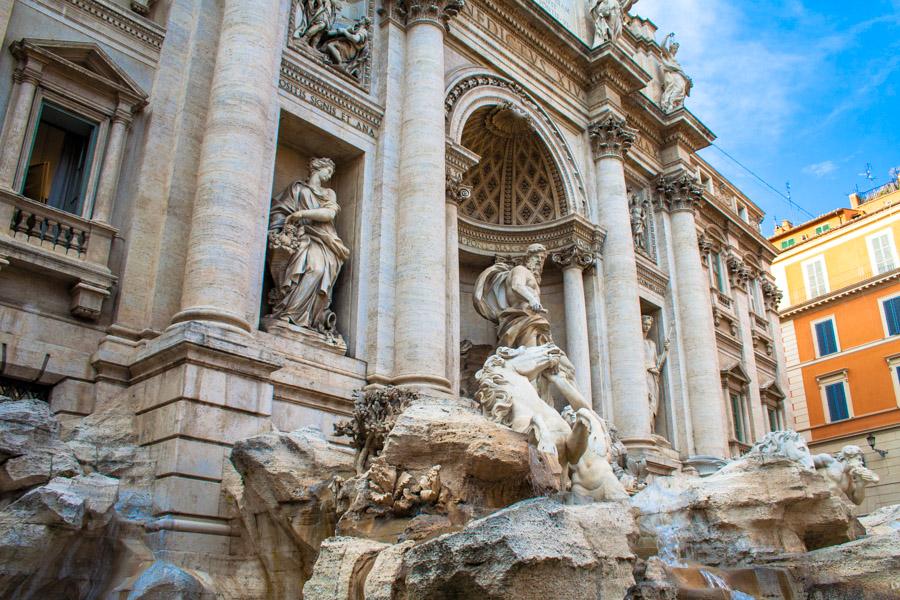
{"type": "Point", "coordinates": [820, 169]}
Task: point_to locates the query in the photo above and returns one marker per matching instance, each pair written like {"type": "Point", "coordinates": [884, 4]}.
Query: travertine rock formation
{"type": "Point", "coordinates": [746, 511]}
{"type": "Point", "coordinates": [442, 464]}
{"type": "Point", "coordinates": [287, 501]}
{"type": "Point", "coordinates": [31, 452]}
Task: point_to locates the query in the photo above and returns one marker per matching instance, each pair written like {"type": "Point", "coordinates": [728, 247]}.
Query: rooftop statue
{"type": "Point", "coordinates": [676, 84]}
{"type": "Point", "coordinates": [306, 254]}
{"type": "Point", "coordinates": [608, 17]}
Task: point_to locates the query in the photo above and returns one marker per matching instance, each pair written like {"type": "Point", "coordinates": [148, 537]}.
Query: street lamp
{"type": "Point", "coordinates": [871, 439]}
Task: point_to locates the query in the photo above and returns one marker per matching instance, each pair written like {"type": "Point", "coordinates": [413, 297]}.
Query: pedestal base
{"type": "Point", "coordinates": [331, 342]}
{"type": "Point", "coordinates": [705, 465]}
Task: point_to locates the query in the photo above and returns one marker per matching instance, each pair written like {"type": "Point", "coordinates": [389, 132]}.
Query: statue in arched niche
{"type": "Point", "coordinates": [306, 254]}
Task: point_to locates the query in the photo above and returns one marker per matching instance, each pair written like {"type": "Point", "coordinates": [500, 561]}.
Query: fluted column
{"type": "Point", "coordinates": [109, 172]}
{"type": "Point", "coordinates": [680, 195]}
{"type": "Point", "coordinates": [25, 80]}
{"type": "Point", "coordinates": [421, 300]}
{"type": "Point", "coordinates": [573, 261]}
{"type": "Point", "coordinates": [611, 139]}
{"type": "Point", "coordinates": [223, 271]}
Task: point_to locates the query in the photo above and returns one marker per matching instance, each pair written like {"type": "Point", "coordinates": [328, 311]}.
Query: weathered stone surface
{"type": "Point", "coordinates": [537, 549]}
{"type": "Point", "coordinates": [31, 452]}
{"type": "Point", "coordinates": [482, 466]}
{"type": "Point", "coordinates": [165, 581]}
{"type": "Point", "coordinates": [385, 577]}
{"type": "Point", "coordinates": [287, 501]}
{"type": "Point", "coordinates": [342, 568]}
{"type": "Point", "coordinates": [865, 568]}
{"type": "Point", "coordinates": [885, 520]}
{"type": "Point", "coordinates": [743, 512]}
{"type": "Point", "coordinates": [54, 540]}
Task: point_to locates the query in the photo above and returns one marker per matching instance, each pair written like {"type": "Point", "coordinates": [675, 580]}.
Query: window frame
{"type": "Point", "coordinates": [829, 379]}
{"type": "Point", "coordinates": [718, 279]}
{"type": "Point", "coordinates": [893, 363]}
{"type": "Point", "coordinates": [884, 322]}
{"type": "Point", "coordinates": [889, 232]}
{"type": "Point", "coordinates": [806, 282]}
{"type": "Point", "coordinates": [815, 336]}
{"type": "Point", "coordinates": [101, 123]}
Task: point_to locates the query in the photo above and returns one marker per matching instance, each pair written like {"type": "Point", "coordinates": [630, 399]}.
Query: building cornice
{"type": "Point", "coordinates": [849, 290]}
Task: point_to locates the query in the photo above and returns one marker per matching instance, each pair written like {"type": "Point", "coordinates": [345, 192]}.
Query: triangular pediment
{"type": "Point", "coordinates": [772, 389]}
{"type": "Point", "coordinates": [735, 371]}
{"type": "Point", "coordinates": [82, 58]}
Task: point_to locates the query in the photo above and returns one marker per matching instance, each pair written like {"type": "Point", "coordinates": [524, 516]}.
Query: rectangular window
{"type": "Point", "coordinates": [718, 272]}
{"type": "Point", "coordinates": [826, 337]}
{"type": "Point", "coordinates": [737, 417]}
{"type": "Point", "coordinates": [822, 229]}
{"type": "Point", "coordinates": [60, 159]}
{"type": "Point", "coordinates": [756, 297]}
{"type": "Point", "coordinates": [882, 253]}
{"type": "Point", "coordinates": [788, 243]}
{"type": "Point", "coordinates": [775, 419]}
{"type": "Point", "coordinates": [815, 277]}
{"type": "Point", "coordinates": [891, 308]}
{"type": "Point", "coordinates": [836, 397]}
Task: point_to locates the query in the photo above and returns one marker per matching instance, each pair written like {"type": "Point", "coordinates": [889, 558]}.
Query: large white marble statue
{"type": "Point", "coordinates": [510, 296]}
{"type": "Point", "coordinates": [608, 17]}
{"type": "Point", "coordinates": [507, 396]}
{"type": "Point", "coordinates": [676, 83]}
{"type": "Point", "coordinates": [847, 472]}
{"type": "Point", "coordinates": [306, 253]}
{"type": "Point", "coordinates": [653, 361]}
{"type": "Point", "coordinates": [593, 475]}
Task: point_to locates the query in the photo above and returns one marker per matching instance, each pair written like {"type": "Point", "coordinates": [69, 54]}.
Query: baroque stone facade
{"type": "Point", "coordinates": [454, 132]}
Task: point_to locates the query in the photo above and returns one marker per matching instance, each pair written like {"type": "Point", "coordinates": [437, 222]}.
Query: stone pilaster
{"type": "Point", "coordinates": [420, 340]}
{"type": "Point", "coordinates": [112, 161]}
{"type": "Point", "coordinates": [573, 261]}
{"type": "Point", "coordinates": [611, 139]}
{"type": "Point", "coordinates": [223, 271]}
{"type": "Point", "coordinates": [681, 196]}
{"type": "Point", "coordinates": [25, 80]}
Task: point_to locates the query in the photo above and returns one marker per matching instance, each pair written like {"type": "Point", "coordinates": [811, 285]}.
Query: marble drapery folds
{"type": "Point", "coordinates": [306, 252]}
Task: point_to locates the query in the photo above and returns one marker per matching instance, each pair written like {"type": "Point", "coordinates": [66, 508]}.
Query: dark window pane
{"type": "Point", "coordinates": [837, 402]}
{"type": "Point", "coordinates": [825, 338]}
{"type": "Point", "coordinates": [892, 315]}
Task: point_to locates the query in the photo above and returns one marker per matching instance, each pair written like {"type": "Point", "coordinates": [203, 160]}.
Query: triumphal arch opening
{"type": "Point", "coordinates": [306, 298]}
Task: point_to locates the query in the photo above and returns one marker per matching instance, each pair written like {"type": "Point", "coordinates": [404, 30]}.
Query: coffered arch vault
{"type": "Point", "coordinates": [526, 163]}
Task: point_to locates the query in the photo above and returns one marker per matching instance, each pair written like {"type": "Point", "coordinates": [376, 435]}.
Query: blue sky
{"type": "Point", "coordinates": [806, 91]}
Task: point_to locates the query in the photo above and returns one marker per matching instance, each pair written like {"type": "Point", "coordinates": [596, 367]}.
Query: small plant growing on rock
{"type": "Point", "coordinates": [374, 414]}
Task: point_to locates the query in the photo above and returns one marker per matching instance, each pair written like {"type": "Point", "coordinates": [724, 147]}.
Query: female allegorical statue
{"type": "Point", "coordinates": [306, 252]}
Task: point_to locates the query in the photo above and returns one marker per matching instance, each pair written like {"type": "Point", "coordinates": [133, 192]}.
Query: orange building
{"type": "Point", "coordinates": [840, 319]}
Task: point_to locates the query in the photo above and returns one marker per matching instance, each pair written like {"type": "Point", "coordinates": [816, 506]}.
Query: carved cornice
{"type": "Point", "coordinates": [738, 271]}
{"type": "Point", "coordinates": [651, 278]}
{"type": "Point", "coordinates": [437, 12]}
{"type": "Point", "coordinates": [578, 255]}
{"type": "Point", "coordinates": [611, 137]}
{"type": "Point", "coordinates": [318, 92]}
{"type": "Point", "coordinates": [458, 161]}
{"type": "Point", "coordinates": [612, 65]}
{"type": "Point", "coordinates": [678, 192]}
{"type": "Point", "coordinates": [490, 240]}
{"type": "Point", "coordinates": [772, 294]}
{"type": "Point", "coordinates": [144, 31]}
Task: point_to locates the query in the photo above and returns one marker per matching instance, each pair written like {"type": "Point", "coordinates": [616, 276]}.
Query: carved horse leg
{"type": "Point", "coordinates": [550, 446]}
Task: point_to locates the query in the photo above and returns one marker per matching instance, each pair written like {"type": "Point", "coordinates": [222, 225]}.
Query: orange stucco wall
{"type": "Point", "coordinates": [858, 322]}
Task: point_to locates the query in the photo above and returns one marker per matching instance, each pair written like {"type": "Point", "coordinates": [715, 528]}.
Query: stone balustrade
{"type": "Point", "coordinates": [44, 239]}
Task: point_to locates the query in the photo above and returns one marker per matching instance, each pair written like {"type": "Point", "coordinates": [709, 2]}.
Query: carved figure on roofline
{"type": "Point", "coordinates": [609, 17]}
{"type": "Point", "coordinates": [306, 254]}
{"type": "Point", "coordinates": [676, 84]}
{"type": "Point", "coordinates": [847, 472]}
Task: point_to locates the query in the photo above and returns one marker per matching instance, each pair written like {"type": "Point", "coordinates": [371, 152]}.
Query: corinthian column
{"type": "Point", "coordinates": [680, 196]}
{"type": "Point", "coordinates": [223, 274]}
{"type": "Point", "coordinates": [611, 139]}
{"type": "Point", "coordinates": [573, 260]}
{"type": "Point", "coordinates": [421, 300]}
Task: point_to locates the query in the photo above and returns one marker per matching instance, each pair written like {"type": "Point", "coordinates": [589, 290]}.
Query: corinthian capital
{"type": "Point", "coordinates": [678, 191]}
{"type": "Point", "coordinates": [438, 12]}
{"type": "Point", "coordinates": [611, 137]}
{"type": "Point", "coordinates": [577, 255]}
